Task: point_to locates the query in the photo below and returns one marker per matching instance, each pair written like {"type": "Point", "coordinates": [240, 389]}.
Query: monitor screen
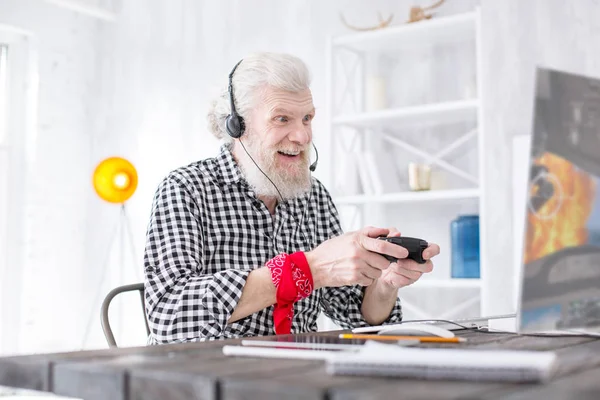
{"type": "Point", "coordinates": [561, 253]}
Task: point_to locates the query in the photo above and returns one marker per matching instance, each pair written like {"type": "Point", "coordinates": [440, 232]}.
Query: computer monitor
{"type": "Point", "coordinates": [560, 280]}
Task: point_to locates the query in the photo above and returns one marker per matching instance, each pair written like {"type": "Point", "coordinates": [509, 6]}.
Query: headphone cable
{"type": "Point", "coordinates": [282, 200]}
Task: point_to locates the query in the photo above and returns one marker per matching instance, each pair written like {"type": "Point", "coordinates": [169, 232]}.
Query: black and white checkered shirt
{"type": "Point", "coordinates": [208, 231]}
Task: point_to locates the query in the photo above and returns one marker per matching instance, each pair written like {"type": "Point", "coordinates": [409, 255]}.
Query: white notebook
{"type": "Point", "coordinates": [376, 359]}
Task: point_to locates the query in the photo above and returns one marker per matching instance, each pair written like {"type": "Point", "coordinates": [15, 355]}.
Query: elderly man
{"type": "Point", "coordinates": [248, 243]}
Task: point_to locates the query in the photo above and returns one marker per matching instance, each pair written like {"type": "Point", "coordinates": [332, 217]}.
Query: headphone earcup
{"type": "Point", "coordinates": [235, 126]}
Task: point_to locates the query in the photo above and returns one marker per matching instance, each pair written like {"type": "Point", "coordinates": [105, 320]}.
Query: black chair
{"type": "Point", "coordinates": [108, 333]}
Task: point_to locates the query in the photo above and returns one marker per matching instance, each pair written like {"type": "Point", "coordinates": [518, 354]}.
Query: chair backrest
{"type": "Point", "coordinates": [108, 333]}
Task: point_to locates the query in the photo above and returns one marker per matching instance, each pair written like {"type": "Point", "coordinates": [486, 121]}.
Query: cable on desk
{"type": "Point", "coordinates": [483, 329]}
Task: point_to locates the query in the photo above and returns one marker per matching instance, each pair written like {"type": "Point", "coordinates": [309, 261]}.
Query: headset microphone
{"type": "Point", "coordinates": [313, 166]}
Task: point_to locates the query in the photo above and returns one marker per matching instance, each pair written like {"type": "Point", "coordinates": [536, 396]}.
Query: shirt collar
{"type": "Point", "coordinates": [228, 169]}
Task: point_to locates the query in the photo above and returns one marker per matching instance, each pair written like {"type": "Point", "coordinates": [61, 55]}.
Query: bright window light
{"type": "Point", "coordinates": [3, 94]}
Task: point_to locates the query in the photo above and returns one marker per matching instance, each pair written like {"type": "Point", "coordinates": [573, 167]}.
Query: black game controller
{"type": "Point", "coordinates": [414, 246]}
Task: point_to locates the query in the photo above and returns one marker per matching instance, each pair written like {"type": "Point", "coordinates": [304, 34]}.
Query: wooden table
{"type": "Point", "coordinates": [201, 371]}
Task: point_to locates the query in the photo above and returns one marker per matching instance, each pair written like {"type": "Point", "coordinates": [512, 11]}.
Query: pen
{"type": "Point", "coordinates": [422, 339]}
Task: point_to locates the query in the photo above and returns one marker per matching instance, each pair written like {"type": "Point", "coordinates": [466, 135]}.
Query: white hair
{"type": "Point", "coordinates": [255, 72]}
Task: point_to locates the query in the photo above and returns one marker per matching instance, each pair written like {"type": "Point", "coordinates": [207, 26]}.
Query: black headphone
{"type": "Point", "coordinates": [235, 125]}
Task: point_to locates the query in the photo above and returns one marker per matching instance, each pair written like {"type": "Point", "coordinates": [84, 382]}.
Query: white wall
{"type": "Point", "coordinates": [19, 110]}
{"type": "Point", "coordinates": [53, 214]}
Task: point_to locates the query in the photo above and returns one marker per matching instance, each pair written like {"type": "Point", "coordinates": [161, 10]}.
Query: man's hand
{"type": "Point", "coordinates": [405, 272]}
{"type": "Point", "coordinates": [352, 258]}
{"type": "Point", "coordinates": [381, 296]}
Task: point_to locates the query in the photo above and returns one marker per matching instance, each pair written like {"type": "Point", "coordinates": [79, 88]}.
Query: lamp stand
{"type": "Point", "coordinates": [123, 233]}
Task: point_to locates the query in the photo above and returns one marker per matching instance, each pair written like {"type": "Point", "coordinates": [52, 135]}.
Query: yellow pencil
{"type": "Point", "coordinates": [423, 339]}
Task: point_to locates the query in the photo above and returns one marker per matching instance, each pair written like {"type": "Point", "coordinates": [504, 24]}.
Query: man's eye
{"type": "Point", "coordinates": [282, 119]}
{"type": "Point", "coordinates": [308, 118]}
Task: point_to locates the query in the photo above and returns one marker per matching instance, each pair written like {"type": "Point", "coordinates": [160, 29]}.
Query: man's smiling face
{"type": "Point", "coordinates": [278, 136]}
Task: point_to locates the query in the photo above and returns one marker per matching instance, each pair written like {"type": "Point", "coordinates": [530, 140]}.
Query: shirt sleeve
{"type": "Point", "coordinates": [343, 304]}
{"type": "Point", "coordinates": [183, 302]}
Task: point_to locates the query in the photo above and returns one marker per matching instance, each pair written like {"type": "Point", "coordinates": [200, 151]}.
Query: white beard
{"type": "Point", "coordinates": [292, 183]}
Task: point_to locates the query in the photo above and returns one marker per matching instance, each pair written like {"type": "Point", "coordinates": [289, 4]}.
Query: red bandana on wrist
{"type": "Point", "coordinates": [293, 280]}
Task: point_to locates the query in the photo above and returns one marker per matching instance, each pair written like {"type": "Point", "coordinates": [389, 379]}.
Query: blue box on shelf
{"type": "Point", "coordinates": [464, 233]}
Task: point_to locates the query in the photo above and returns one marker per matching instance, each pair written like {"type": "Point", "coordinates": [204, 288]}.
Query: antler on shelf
{"type": "Point", "coordinates": [382, 23]}
{"type": "Point", "coordinates": [436, 5]}
{"type": "Point", "coordinates": [418, 13]}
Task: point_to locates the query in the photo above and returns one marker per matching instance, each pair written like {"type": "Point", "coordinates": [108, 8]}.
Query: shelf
{"type": "Point", "coordinates": [448, 283]}
{"type": "Point", "coordinates": [409, 197]}
{"type": "Point", "coordinates": [437, 30]}
{"type": "Point", "coordinates": [430, 114]}
{"type": "Point", "coordinates": [387, 52]}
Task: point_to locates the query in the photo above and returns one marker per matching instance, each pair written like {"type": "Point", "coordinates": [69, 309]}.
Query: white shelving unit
{"type": "Point", "coordinates": [355, 128]}
{"type": "Point", "coordinates": [402, 37]}
{"type": "Point", "coordinates": [410, 197]}
{"type": "Point", "coordinates": [450, 283]}
{"type": "Point", "coordinates": [431, 114]}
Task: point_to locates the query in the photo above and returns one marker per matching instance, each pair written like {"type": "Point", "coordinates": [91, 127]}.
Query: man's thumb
{"type": "Point", "coordinates": [374, 232]}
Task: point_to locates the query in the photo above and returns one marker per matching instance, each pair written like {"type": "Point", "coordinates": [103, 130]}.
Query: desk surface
{"type": "Point", "coordinates": [201, 371]}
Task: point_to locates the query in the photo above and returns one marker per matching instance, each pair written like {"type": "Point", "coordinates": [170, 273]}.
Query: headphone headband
{"type": "Point", "coordinates": [233, 71]}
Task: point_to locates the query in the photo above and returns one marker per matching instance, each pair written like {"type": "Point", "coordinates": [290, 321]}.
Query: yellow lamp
{"type": "Point", "coordinates": [115, 180]}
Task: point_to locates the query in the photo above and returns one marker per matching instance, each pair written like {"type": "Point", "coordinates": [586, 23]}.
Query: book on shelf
{"type": "Point", "coordinates": [378, 173]}
{"type": "Point", "coordinates": [347, 180]}
{"type": "Point", "coordinates": [364, 175]}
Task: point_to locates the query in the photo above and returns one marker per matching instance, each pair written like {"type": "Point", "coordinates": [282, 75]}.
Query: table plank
{"type": "Point", "coordinates": [25, 373]}
{"type": "Point", "coordinates": [145, 375]}
{"type": "Point", "coordinates": [34, 372]}
{"type": "Point", "coordinates": [414, 389]}
{"type": "Point", "coordinates": [584, 385]}
{"type": "Point", "coordinates": [312, 384]}
{"type": "Point", "coordinates": [534, 343]}
{"type": "Point", "coordinates": [193, 381]}
{"type": "Point", "coordinates": [573, 361]}
{"type": "Point", "coordinates": [108, 378]}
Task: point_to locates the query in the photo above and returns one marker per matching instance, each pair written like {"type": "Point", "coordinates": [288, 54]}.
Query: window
{"type": "Point", "coordinates": [18, 60]}
{"type": "Point", "coordinates": [3, 157]}
{"type": "Point", "coordinates": [3, 168]}
{"type": "Point", "coordinates": [3, 89]}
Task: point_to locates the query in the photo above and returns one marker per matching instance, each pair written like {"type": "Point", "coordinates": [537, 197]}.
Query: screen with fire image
{"type": "Point", "coordinates": [561, 257]}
